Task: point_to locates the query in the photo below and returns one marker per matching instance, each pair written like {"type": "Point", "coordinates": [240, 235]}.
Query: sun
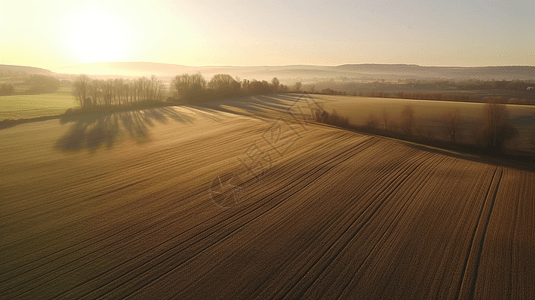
{"type": "Point", "coordinates": [98, 37]}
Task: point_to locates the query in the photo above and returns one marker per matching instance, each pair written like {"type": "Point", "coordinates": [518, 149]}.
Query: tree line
{"type": "Point", "coordinates": [13, 74]}
{"type": "Point", "coordinates": [436, 96]}
{"type": "Point", "coordinates": [7, 89]}
{"type": "Point", "coordinates": [459, 97]}
{"type": "Point", "coordinates": [194, 88]}
{"type": "Point", "coordinates": [37, 84]}
{"type": "Point", "coordinates": [116, 91]}
{"type": "Point", "coordinates": [41, 84]}
{"type": "Point", "coordinates": [495, 132]}
{"type": "Point", "coordinates": [495, 85]}
{"type": "Point", "coordinates": [185, 88]}
{"type": "Point", "coordinates": [467, 84]}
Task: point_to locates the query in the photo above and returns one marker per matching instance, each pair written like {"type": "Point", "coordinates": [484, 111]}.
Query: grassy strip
{"type": "Point", "coordinates": [7, 123]}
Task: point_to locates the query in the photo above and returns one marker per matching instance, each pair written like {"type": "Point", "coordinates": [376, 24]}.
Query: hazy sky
{"type": "Point", "coordinates": [52, 34]}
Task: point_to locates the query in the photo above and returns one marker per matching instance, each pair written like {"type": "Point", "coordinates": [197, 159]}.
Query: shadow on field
{"type": "Point", "coordinates": [258, 106]}
{"type": "Point", "coordinates": [93, 131]}
{"type": "Point", "coordinates": [205, 112]}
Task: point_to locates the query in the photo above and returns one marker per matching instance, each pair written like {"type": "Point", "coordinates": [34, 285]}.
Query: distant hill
{"type": "Point", "coordinates": [307, 73]}
{"type": "Point", "coordinates": [24, 69]}
{"type": "Point", "coordinates": [171, 70]}
{"type": "Point", "coordinates": [491, 72]}
{"type": "Point", "coordinates": [126, 69]}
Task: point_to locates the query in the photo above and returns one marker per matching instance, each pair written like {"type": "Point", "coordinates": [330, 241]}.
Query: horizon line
{"type": "Point", "coordinates": [290, 65]}
{"type": "Point", "coordinates": [263, 66]}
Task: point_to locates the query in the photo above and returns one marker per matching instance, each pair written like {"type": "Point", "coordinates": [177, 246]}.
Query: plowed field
{"type": "Point", "coordinates": [122, 206]}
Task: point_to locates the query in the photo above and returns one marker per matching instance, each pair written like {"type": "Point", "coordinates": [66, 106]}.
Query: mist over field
{"type": "Point", "coordinates": [252, 150]}
{"type": "Point", "coordinates": [309, 73]}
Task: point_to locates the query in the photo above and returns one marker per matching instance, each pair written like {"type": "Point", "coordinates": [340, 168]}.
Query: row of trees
{"type": "Point", "coordinates": [406, 95]}
{"type": "Point", "coordinates": [13, 74]}
{"type": "Point", "coordinates": [520, 101]}
{"type": "Point", "coordinates": [194, 87]}
{"type": "Point", "coordinates": [328, 91]}
{"type": "Point", "coordinates": [495, 85]}
{"type": "Point", "coordinates": [37, 84]}
{"type": "Point", "coordinates": [41, 84]}
{"type": "Point", "coordinates": [468, 84]}
{"type": "Point", "coordinates": [436, 96]}
{"type": "Point", "coordinates": [7, 89]}
{"type": "Point", "coordinates": [186, 87]}
{"type": "Point", "coordinates": [461, 97]}
{"type": "Point", "coordinates": [494, 134]}
{"type": "Point", "coordinates": [116, 91]}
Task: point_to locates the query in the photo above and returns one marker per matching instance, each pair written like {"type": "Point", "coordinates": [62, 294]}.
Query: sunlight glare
{"type": "Point", "coordinates": [98, 37]}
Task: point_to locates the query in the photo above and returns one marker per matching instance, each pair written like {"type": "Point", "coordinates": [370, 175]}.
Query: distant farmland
{"type": "Point", "coordinates": [428, 114]}
{"type": "Point", "coordinates": [31, 106]}
{"type": "Point", "coordinates": [119, 206]}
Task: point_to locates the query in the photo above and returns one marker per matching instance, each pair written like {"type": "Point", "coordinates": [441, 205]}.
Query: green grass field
{"type": "Point", "coordinates": [31, 106]}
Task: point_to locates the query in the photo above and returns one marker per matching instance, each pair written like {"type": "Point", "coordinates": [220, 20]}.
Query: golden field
{"type": "Point", "coordinates": [121, 206]}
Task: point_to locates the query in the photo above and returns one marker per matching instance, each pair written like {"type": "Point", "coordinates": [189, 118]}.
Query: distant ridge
{"type": "Point", "coordinates": [124, 68]}
{"type": "Point", "coordinates": [306, 73]}
{"type": "Point", "coordinates": [487, 72]}
{"type": "Point", "coordinates": [25, 69]}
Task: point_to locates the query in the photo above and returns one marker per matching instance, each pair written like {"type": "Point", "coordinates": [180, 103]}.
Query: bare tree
{"type": "Point", "coordinates": [372, 122]}
{"type": "Point", "coordinates": [332, 118]}
{"type": "Point", "coordinates": [188, 86]}
{"type": "Point", "coordinates": [93, 91]}
{"type": "Point", "coordinates": [107, 91]}
{"type": "Point", "coordinates": [118, 90]}
{"type": "Point", "coordinates": [245, 85]}
{"type": "Point", "coordinates": [198, 81]}
{"type": "Point", "coordinates": [298, 86]}
{"type": "Point", "coordinates": [385, 116]}
{"type": "Point", "coordinates": [408, 120]}
{"type": "Point", "coordinates": [126, 93]}
{"type": "Point", "coordinates": [275, 84]}
{"type": "Point", "coordinates": [80, 88]}
{"type": "Point", "coordinates": [7, 89]}
{"type": "Point", "coordinates": [224, 84]}
{"type": "Point", "coordinates": [497, 131]}
{"type": "Point", "coordinates": [154, 88]}
{"type": "Point", "coordinates": [452, 120]}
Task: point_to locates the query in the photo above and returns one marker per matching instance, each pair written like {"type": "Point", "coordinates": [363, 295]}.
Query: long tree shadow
{"type": "Point", "coordinates": [102, 130]}
{"type": "Point", "coordinates": [205, 112]}
{"type": "Point", "coordinates": [258, 106]}
{"type": "Point", "coordinates": [267, 107]}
